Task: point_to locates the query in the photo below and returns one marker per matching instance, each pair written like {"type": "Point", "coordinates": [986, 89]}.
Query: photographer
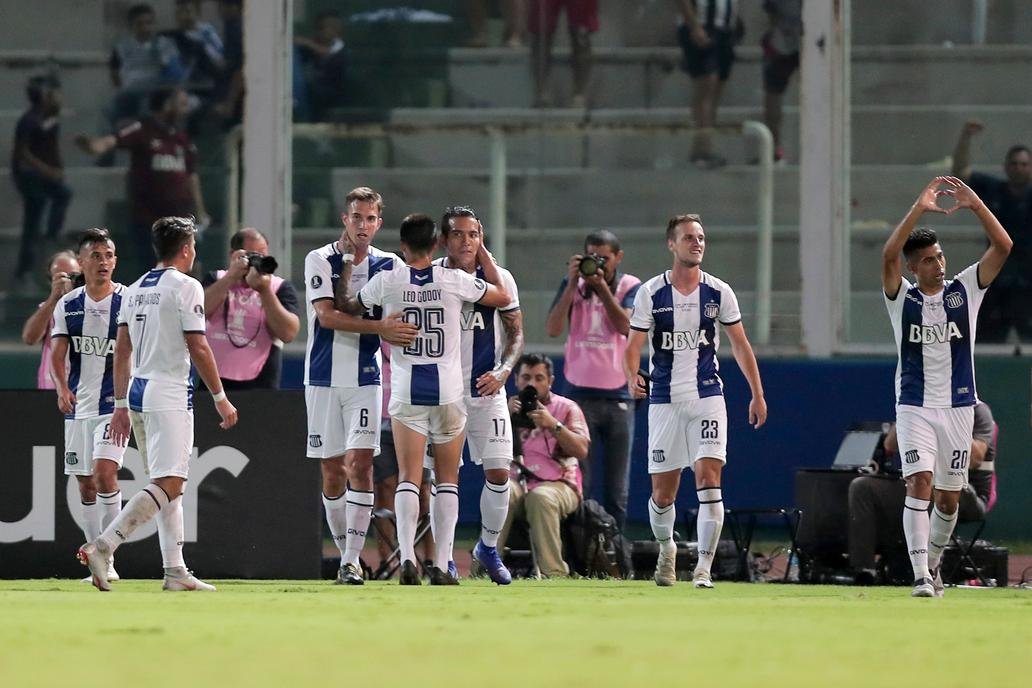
{"type": "Point", "coordinates": [596, 299]}
{"type": "Point", "coordinates": [545, 483]}
{"type": "Point", "coordinates": [64, 267]}
{"type": "Point", "coordinates": [251, 313]}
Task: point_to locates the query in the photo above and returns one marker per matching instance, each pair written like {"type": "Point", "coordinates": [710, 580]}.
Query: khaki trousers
{"type": "Point", "coordinates": [543, 508]}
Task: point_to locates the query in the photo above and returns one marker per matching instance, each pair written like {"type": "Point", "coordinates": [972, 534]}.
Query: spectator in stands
{"type": "Point", "coordinates": [708, 36]}
{"type": "Point", "coordinates": [141, 62]}
{"type": "Point", "coordinates": [163, 180]}
{"type": "Point", "coordinates": [513, 13]}
{"type": "Point", "coordinates": [38, 173]}
{"type": "Point", "coordinates": [201, 54]}
{"type": "Point", "coordinates": [325, 60]}
{"type": "Point", "coordinates": [545, 486]}
{"type": "Point", "coordinates": [230, 92]}
{"type": "Point", "coordinates": [596, 303]}
{"type": "Point", "coordinates": [251, 314]}
{"type": "Point", "coordinates": [780, 61]}
{"type": "Point", "coordinates": [876, 501]}
{"type": "Point", "coordinates": [1008, 303]}
{"type": "Point", "coordinates": [63, 268]}
{"type": "Point", "coordinates": [581, 22]}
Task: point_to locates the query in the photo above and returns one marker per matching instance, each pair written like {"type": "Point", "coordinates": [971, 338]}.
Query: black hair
{"type": "Point", "coordinates": [158, 98]}
{"type": "Point", "coordinates": [532, 360]}
{"type": "Point", "coordinates": [1017, 148]}
{"type": "Point", "coordinates": [454, 211]}
{"type": "Point", "coordinates": [139, 10]}
{"type": "Point", "coordinates": [418, 232]}
{"type": "Point", "coordinates": [39, 86]}
{"type": "Point", "coordinates": [602, 237]}
{"type": "Point", "coordinates": [920, 237]}
{"type": "Point", "coordinates": [237, 241]}
{"type": "Point", "coordinates": [324, 15]}
{"type": "Point", "coordinates": [170, 234]}
{"type": "Point", "coordinates": [94, 235]}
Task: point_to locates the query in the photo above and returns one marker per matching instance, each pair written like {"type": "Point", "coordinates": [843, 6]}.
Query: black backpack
{"type": "Point", "coordinates": [594, 545]}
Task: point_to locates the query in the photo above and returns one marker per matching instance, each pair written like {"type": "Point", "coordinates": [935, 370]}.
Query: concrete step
{"type": "Point", "coordinates": [651, 77]}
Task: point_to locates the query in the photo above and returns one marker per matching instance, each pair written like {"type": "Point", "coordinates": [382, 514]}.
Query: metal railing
{"type": "Point", "coordinates": [498, 132]}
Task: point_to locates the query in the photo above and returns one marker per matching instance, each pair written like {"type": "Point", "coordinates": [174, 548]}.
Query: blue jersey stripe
{"type": "Point", "coordinates": [911, 354]}
{"type": "Point", "coordinates": [425, 385]}
{"type": "Point", "coordinates": [662, 359]}
{"type": "Point", "coordinates": [106, 403]}
{"type": "Point", "coordinates": [962, 381]}
{"type": "Point", "coordinates": [483, 346]}
{"type": "Point", "coordinates": [320, 359]}
{"type": "Point", "coordinates": [420, 276]}
{"type": "Point", "coordinates": [152, 278]}
{"type": "Point", "coordinates": [75, 316]}
{"type": "Point", "coordinates": [136, 390]}
{"type": "Point", "coordinates": [708, 380]}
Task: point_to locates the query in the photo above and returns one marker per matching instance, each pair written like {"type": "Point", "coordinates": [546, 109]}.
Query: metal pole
{"type": "Point", "coordinates": [979, 10]}
{"type": "Point", "coordinates": [764, 227]}
{"type": "Point", "coordinates": [231, 149]}
{"type": "Point", "coordinates": [499, 177]}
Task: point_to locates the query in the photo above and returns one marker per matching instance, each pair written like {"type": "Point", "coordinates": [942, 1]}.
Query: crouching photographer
{"type": "Point", "coordinates": [251, 313]}
{"type": "Point", "coordinates": [546, 484]}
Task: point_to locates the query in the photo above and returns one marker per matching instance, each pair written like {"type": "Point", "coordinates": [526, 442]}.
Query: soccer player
{"type": "Point", "coordinates": [492, 342]}
{"type": "Point", "coordinates": [160, 332]}
{"type": "Point", "coordinates": [427, 385]}
{"type": "Point", "coordinates": [85, 325]}
{"type": "Point", "coordinates": [679, 311]}
{"type": "Point", "coordinates": [934, 325]}
{"type": "Point", "coordinates": [342, 376]}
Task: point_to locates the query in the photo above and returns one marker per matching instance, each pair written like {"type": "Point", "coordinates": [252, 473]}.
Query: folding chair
{"type": "Point", "coordinates": [390, 564]}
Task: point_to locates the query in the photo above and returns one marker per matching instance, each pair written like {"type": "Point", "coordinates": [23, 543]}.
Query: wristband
{"type": "Point", "coordinates": [348, 257]}
{"type": "Point", "coordinates": [122, 403]}
{"type": "Point", "coordinates": [221, 396]}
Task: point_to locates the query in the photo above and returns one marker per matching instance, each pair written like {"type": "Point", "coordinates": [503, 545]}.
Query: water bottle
{"type": "Point", "coordinates": [793, 567]}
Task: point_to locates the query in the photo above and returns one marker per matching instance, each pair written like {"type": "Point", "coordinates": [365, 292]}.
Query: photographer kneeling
{"type": "Point", "coordinates": [251, 313]}
{"type": "Point", "coordinates": [545, 484]}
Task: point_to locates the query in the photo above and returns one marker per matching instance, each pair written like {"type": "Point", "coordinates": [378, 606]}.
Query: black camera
{"type": "Point", "coordinates": [266, 265]}
{"type": "Point", "coordinates": [592, 264]}
{"type": "Point", "coordinates": [528, 397]}
{"type": "Point", "coordinates": [78, 279]}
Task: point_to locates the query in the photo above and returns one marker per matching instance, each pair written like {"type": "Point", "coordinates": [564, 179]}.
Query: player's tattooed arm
{"type": "Point", "coordinates": [492, 381]}
{"type": "Point", "coordinates": [343, 300]}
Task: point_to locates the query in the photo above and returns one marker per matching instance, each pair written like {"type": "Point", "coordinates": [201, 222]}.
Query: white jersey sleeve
{"type": "Point", "coordinates": [466, 286]}
{"type": "Point", "coordinates": [509, 282]}
{"type": "Point", "coordinates": [730, 313]}
{"type": "Point", "coordinates": [641, 317]}
{"type": "Point", "coordinates": [60, 323]}
{"type": "Point", "coordinates": [191, 307]}
{"type": "Point", "coordinates": [895, 306]}
{"type": "Point", "coordinates": [318, 278]}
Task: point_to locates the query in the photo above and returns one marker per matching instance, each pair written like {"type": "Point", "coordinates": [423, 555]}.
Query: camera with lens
{"type": "Point", "coordinates": [78, 279]}
{"type": "Point", "coordinates": [528, 397]}
{"type": "Point", "coordinates": [592, 264]}
{"type": "Point", "coordinates": [266, 265]}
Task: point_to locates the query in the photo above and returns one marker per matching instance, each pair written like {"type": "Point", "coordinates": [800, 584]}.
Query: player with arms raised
{"type": "Point", "coordinates": [678, 311]}
{"type": "Point", "coordinates": [934, 325]}
{"type": "Point", "coordinates": [427, 385]}
{"type": "Point", "coordinates": [160, 332]}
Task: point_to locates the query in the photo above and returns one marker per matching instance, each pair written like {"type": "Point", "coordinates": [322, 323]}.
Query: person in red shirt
{"type": "Point", "coordinates": [163, 179]}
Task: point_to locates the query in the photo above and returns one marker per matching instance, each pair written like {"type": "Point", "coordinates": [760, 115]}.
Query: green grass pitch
{"type": "Point", "coordinates": [541, 633]}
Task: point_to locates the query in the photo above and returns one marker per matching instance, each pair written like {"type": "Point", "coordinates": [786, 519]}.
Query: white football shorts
{"type": "Point", "coordinates": [936, 440]}
{"type": "Point", "coordinates": [489, 431]}
{"type": "Point", "coordinates": [169, 438]}
{"type": "Point", "coordinates": [683, 432]}
{"type": "Point", "coordinates": [341, 418]}
{"type": "Point", "coordinates": [86, 440]}
{"type": "Point", "coordinates": [439, 424]}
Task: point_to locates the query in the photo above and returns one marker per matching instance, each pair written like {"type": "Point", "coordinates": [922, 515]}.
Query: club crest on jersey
{"type": "Point", "coordinates": [954, 300]}
{"type": "Point", "coordinates": [315, 441]}
{"type": "Point", "coordinates": [71, 458]}
{"type": "Point", "coordinates": [316, 281]}
{"type": "Point", "coordinates": [658, 456]}
{"type": "Point", "coordinates": [710, 310]}
{"type": "Point", "coordinates": [931, 334]}
{"type": "Point", "coordinates": [680, 341]}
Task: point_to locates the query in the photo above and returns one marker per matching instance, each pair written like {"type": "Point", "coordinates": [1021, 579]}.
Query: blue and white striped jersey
{"type": "Point", "coordinates": [90, 327]}
{"type": "Point", "coordinates": [334, 358]}
{"type": "Point", "coordinates": [684, 336]}
{"type": "Point", "coordinates": [483, 337]}
{"type": "Point", "coordinates": [428, 372]}
{"type": "Point", "coordinates": [159, 309]}
{"type": "Point", "coordinates": [935, 338]}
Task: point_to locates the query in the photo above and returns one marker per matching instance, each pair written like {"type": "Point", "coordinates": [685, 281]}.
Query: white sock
{"type": "Point", "coordinates": [90, 521]}
{"type": "Point", "coordinates": [110, 505]}
{"type": "Point", "coordinates": [359, 512]}
{"type": "Point", "coordinates": [915, 528]}
{"type": "Point", "coordinates": [708, 525]}
{"type": "Point", "coordinates": [144, 505]}
{"type": "Point", "coordinates": [939, 533]}
{"type": "Point", "coordinates": [494, 506]}
{"type": "Point", "coordinates": [433, 500]}
{"type": "Point", "coordinates": [446, 514]}
{"type": "Point", "coordinates": [336, 519]}
{"type": "Point", "coordinates": [170, 534]}
{"type": "Point", "coordinates": [406, 513]}
{"type": "Point", "coordinates": [662, 521]}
